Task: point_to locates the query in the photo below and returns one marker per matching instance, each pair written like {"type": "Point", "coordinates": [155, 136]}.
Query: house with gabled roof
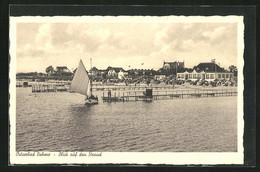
{"type": "Point", "coordinates": [172, 65]}
{"type": "Point", "coordinates": [63, 70]}
{"type": "Point", "coordinates": [94, 71]}
{"type": "Point", "coordinates": [113, 71]}
{"type": "Point", "coordinates": [208, 71]}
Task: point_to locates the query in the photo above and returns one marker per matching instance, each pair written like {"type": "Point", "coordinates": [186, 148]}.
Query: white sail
{"type": "Point", "coordinates": [81, 82]}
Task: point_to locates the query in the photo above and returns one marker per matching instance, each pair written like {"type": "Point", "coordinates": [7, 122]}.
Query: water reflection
{"type": "Point", "coordinates": [81, 109]}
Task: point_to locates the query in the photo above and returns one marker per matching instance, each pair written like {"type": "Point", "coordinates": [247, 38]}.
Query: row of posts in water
{"type": "Point", "coordinates": [159, 95]}
{"type": "Point", "coordinates": [54, 88]}
{"type": "Point", "coordinates": [137, 95]}
{"type": "Point", "coordinates": [114, 96]}
{"type": "Point", "coordinates": [48, 88]}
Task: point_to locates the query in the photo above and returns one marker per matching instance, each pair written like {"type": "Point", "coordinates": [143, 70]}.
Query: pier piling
{"type": "Point", "coordinates": [160, 95]}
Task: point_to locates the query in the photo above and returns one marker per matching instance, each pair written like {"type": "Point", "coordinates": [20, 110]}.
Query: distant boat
{"type": "Point", "coordinates": [82, 84]}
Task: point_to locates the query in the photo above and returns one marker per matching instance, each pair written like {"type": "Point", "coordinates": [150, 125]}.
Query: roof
{"type": "Point", "coordinates": [181, 70]}
{"type": "Point", "coordinates": [206, 67]}
{"type": "Point", "coordinates": [102, 70]}
{"type": "Point", "coordinates": [116, 69]}
{"type": "Point", "coordinates": [61, 67]}
{"type": "Point", "coordinates": [209, 67]}
{"type": "Point", "coordinates": [93, 69]}
{"type": "Point", "coordinates": [169, 63]}
{"type": "Point", "coordinates": [172, 64]}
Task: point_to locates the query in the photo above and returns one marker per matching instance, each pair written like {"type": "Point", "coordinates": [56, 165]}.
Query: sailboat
{"type": "Point", "coordinates": [82, 84]}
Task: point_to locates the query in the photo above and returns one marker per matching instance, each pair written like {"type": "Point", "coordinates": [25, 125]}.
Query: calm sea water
{"type": "Point", "coordinates": [61, 122]}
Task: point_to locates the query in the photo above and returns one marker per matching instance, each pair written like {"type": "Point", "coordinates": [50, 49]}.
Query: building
{"type": "Point", "coordinates": [122, 74]}
{"type": "Point", "coordinates": [170, 68]}
{"type": "Point", "coordinates": [173, 65]}
{"type": "Point", "coordinates": [113, 71]}
{"type": "Point", "coordinates": [140, 73]}
{"type": "Point", "coordinates": [191, 75]}
{"type": "Point", "coordinates": [94, 71]}
{"type": "Point", "coordinates": [97, 73]}
{"type": "Point", "coordinates": [103, 73]}
{"type": "Point", "coordinates": [207, 71]}
{"type": "Point", "coordinates": [50, 71]}
{"type": "Point", "coordinates": [158, 75]}
{"type": "Point", "coordinates": [63, 70]}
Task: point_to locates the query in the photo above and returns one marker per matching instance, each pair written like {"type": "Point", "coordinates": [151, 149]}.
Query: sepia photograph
{"type": "Point", "coordinates": [126, 89]}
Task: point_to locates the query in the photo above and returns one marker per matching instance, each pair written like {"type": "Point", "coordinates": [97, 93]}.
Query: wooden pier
{"type": "Point", "coordinates": [162, 95]}
{"type": "Point", "coordinates": [62, 87]}
{"type": "Point", "coordinates": [24, 84]}
{"type": "Point", "coordinates": [47, 88]}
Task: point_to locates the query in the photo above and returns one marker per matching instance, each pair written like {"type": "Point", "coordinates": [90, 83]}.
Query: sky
{"type": "Point", "coordinates": [39, 45]}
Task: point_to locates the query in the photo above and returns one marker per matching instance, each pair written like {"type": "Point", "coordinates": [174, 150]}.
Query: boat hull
{"type": "Point", "coordinates": [91, 101]}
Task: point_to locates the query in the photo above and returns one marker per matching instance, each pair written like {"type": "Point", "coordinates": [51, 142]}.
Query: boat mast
{"type": "Point", "coordinates": [91, 76]}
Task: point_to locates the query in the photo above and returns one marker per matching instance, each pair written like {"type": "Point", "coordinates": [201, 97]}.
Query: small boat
{"type": "Point", "coordinates": [82, 84]}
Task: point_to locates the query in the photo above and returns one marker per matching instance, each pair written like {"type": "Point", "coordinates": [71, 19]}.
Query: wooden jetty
{"type": "Point", "coordinates": [63, 87]}
{"type": "Point", "coordinates": [47, 88]}
{"type": "Point", "coordinates": [25, 84]}
{"type": "Point", "coordinates": [162, 95]}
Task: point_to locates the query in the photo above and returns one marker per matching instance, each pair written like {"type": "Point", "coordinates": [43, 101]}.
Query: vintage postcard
{"type": "Point", "coordinates": [126, 90]}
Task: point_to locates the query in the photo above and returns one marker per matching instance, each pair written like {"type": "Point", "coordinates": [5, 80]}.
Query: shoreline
{"type": "Point", "coordinates": [129, 87]}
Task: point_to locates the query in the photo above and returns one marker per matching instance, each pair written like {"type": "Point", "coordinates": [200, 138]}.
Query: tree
{"type": "Point", "coordinates": [49, 69]}
{"type": "Point", "coordinates": [167, 72]}
{"type": "Point", "coordinates": [131, 73]}
{"type": "Point", "coordinates": [233, 69]}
